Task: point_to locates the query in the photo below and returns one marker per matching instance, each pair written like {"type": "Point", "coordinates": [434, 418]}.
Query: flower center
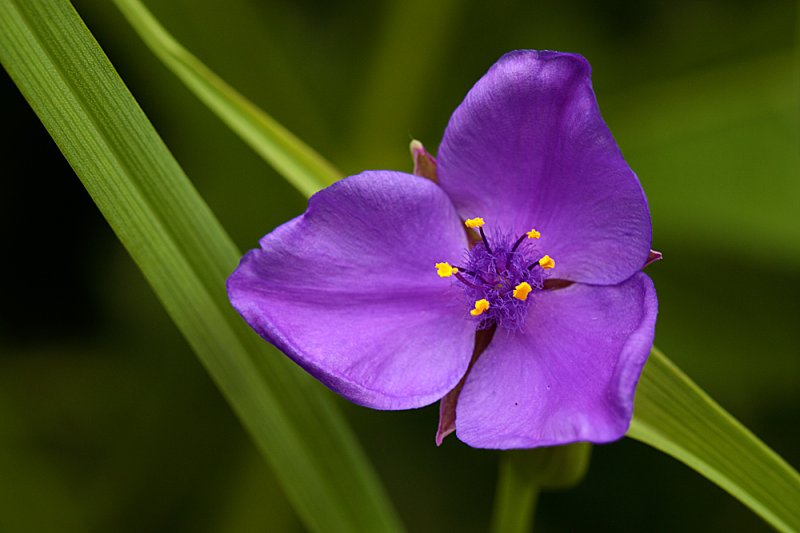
{"type": "Point", "coordinates": [498, 276]}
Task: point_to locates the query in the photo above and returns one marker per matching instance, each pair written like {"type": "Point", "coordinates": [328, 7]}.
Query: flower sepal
{"type": "Point", "coordinates": [424, 163]}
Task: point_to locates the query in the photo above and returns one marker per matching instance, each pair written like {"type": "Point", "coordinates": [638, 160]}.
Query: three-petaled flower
{"type": "Point", "coordinates": [382, 294]}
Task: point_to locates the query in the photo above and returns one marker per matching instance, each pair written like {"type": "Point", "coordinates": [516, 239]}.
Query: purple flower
{"type": "Point", "coordinates": [381, 293]}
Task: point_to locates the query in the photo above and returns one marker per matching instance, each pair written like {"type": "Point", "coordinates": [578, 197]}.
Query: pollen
{"type": "Point", "coordinates": [481, 306]}
{"type": "Point", "coordinates": [533, 234]}
{"type": "Point", "coordinates": [445, 270]}
{"type": "Point", "coordinates": [522, 290]}
{"type": "Point", "coordinates": [547, 262]}
{"type": "Point", "coordinates": [476, 222]}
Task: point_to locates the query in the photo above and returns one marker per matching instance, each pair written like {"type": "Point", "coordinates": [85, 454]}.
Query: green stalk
{"type": "Point", "coordinates": [515, 501]}
{"type": "Point", "coordinates": [524, 474]}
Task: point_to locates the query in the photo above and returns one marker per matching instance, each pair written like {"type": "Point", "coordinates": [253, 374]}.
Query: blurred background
{"type": "Point", "coordinates": [109, 423]}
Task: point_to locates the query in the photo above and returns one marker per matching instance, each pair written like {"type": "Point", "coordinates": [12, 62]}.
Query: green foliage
{"type": "Point", "coordinates": [523, 473]}
{"type": "Point", "coordinates": [28, 482]}
{"type": "Point", "coordinates": [744, 480]}
{"type": "Point", "coordinates": [702, 101]}
{"type": "Point", "coordinates": [186, 256]}
{"type": "Point", "coordinates": [296, 162]}
{"type": "Point", "coordinates": [677, 417]}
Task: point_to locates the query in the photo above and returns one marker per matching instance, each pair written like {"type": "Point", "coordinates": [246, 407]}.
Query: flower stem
{"type": "Point", "coordinates": [515, 500]}
{"type": "Point", "coordinates": [525, 473]}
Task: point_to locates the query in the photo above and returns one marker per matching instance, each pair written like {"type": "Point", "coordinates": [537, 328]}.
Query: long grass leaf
{"type": "Point", "coordinates": [675, 416]}
{"type": "Point", "coordinates": [294, 160]}
{"type": "Point", "coordinates": [186, 255]}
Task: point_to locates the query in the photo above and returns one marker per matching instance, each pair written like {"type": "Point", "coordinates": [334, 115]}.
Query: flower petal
{"type": "Point", "coordinates": [528, 149]}
{"type": "Point", "coordinates": [349, 291]}
{"type": "Point", "coordinates": [569, 376]}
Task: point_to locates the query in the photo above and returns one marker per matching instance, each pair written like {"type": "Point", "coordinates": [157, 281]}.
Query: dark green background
{"type": "Point", "coordinates": [107, 420]}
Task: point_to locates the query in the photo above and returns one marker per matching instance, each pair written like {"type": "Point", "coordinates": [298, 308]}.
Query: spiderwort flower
{"type": "Point", "coordinates": [526, 252]}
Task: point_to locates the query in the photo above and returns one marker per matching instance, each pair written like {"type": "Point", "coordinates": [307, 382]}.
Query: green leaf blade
{"type": "Point", "coordinates": [186, 256]}
{"type": "Point", "coordinates": [674, 415]}
{"type": "Point", "coordinates": [299, 164]}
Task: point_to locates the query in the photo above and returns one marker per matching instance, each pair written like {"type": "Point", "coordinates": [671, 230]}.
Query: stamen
{"type": "Point", "coordinates": [522, 290]}
{"type": "Point", "coordinates": [457, 268]}
{"type": "Point", "coordinates": [485, 240]}
{"type": "Point", "coordinates": [478, 222]}
{"type": "Point", "coordinates": [500, 282]}
{"type": "Point", "coordinates": [481, 306]}
{"type": "Point", "coordinates": [473, 223]}
{"type": "Point", "coordinates": [445, 270]}
{"type": "Point", "coordinates": [517, 243]}
{"type": "Point", "coordinates": [466, 282]}
{"type": "Point", "coordinates": [532, 234]}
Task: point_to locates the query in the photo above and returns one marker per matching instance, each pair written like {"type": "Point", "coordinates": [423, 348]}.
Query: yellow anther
{"type": "Point", "coordinates": [533, 234]}
{"type": "Point", "coordinates": [445, 270]}
{"type": "Point", "coordinates": [480, 307]}
{"type": "Point", "coordinates": [476, 222]}
{"type": "Point", "coordinates": [547, 262]}
{"type": "Point", "coordinates": [522, 290]}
